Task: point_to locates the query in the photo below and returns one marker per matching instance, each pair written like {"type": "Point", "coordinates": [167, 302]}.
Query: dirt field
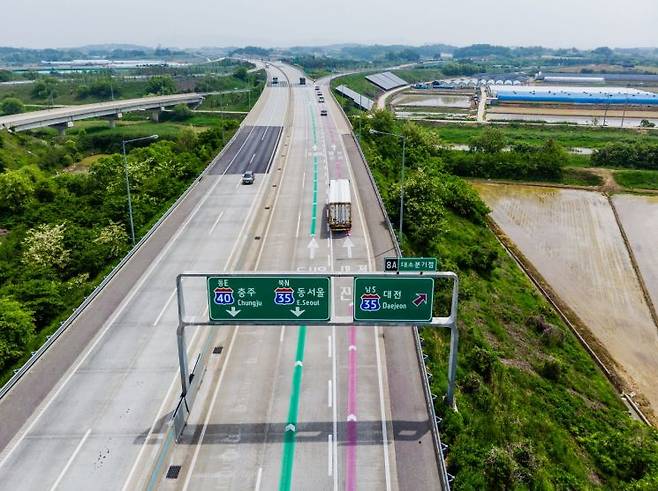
{"type": "Point", "coordinates": [572, 239]}
{"type": "Point", "coordinates": [639, 216]}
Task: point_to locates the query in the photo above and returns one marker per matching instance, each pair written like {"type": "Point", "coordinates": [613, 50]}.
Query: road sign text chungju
{"type": "Point", "coordinates": [269, 298]}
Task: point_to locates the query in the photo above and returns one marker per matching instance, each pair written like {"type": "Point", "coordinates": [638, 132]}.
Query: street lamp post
{"type": "Point", "coordinates": [125, 165]}
{"type": "Point", "coordinates": [404, 147]}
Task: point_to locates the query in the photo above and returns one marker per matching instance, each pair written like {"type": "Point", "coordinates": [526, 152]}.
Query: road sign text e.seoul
{"type": "Point", "coordinates": [393, 299]}
{"type": "Point", "coordinates": [269, 298]}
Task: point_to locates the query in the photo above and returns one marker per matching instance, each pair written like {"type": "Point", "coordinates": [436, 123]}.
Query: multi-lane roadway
{"type": "Point", "coordinates": [293, 407]}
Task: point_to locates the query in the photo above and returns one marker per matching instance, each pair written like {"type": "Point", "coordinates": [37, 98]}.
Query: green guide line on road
{"type": "Point", "coordinates": [290, 430]}
{"type": "Point", "coordinates": [314, 208]}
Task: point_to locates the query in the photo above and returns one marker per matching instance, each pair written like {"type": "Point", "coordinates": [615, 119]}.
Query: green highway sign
{"type": "Point", "coordinates": [393, 298]}
{"type": "Point", "coordinates": [417, 264]}
{"type": "Point", "coordinates": [269, 298]}
{"type": "Point", "coordinates": [410, 264]}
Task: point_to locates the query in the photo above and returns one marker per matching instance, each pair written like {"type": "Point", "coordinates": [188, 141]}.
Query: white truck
{"type": "Point", "coordinates": [339, 208]}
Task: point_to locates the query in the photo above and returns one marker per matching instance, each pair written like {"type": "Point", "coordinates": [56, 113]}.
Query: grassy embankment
{"type": "Point", "coordinates": [637, 179]}
{"type": "Point", "coordinates": [534, 410]}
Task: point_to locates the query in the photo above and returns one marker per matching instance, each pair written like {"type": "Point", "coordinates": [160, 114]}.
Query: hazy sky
{"type": "Point", "coordinates": [193, 23]}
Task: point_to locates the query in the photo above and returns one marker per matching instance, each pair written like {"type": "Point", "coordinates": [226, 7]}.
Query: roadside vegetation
{"type": "Point", "coordinates": [63, 212]}
{"type": "Point", "coordinates": [534, 411]}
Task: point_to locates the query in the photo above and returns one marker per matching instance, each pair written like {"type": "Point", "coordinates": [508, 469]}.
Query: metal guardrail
{"type": "Point", "coordinates": [76, 313]}
{"type": "Point", "coordinates": [439, 447]}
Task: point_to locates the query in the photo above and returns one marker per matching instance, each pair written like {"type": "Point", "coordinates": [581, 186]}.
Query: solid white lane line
{"type": "Point", "coordinates": [219, 217]}
{"type": "Point", "coordinates": [259, 476]}
{"type": "Point", "coordinates": [190, 471]}
{"type": "Point", "coordinates": [387, 469]}
{"type": "Point", "coordinates": [328, 346]}
{"type": "Point", "coordinates": [299, 219]}
{"type": "Point", "coordinates": [164, 309]}
{"type": "Point", "coordinates": [330, 447]}
{"type": "Point", "coordinates": [329, 398]}
{"type": "Point", "coordinates": [283, 331]}
{"type": "Point", "coordinates": [335, 412]}
{"type": "Point", "coordinates": [71, 459]}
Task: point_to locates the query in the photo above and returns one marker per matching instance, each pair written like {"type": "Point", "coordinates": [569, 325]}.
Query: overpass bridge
{"type": "Point", "coordinates": [64, 117]}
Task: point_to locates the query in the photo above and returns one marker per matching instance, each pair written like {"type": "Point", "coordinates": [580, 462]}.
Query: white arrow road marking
{"type": "Point", "coordinates": [298, 311]}
{"type": "Point", "coordinates": [312, 247]}
{"type": "Point", "coordinates": [348, 244]}
{"type": "Point", "coordinates": [233, 312]}
{"type": "Point", "coordinates": [351, 417]}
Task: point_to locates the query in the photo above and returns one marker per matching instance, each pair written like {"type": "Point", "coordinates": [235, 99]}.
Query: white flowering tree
{"type": "Point", "coordinates": [43, 247]}
{"type": "Point", "coordinates": [114, 238]}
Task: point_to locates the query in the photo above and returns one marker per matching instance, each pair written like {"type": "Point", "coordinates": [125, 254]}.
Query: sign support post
{"type": "Point", "coordinates": [180, 337]}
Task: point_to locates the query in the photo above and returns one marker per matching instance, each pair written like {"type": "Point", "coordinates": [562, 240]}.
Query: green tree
{"type": "Point", "coordinates": [45, 88]}
{"type": "Point", "coordinates": [422, 206]}
{"type": "Point", "coordinates": [16, 190]}
{"type": "Point", "coordinates": [241, 74]}
{"type": "Point", "coordinates": [491, 140]}
{"type": "Point", "coordinates": [182, 112]}
{"type": "Point", "coordinates": [161, 85]}
{"type": "Point", "coordinates": [12, 105]}
{"type": "Point", "coordinates": [16, 330]}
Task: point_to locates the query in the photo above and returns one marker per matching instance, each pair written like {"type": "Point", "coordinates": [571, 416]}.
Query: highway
{"type": "Point", "coordinates": [359, 416]}
{"type": "Point", "coordinates": [81, 415]}
{"type": "Point", "coordinates": [66, 115]}
{"type": "Point", "coordinates": [91, 412]}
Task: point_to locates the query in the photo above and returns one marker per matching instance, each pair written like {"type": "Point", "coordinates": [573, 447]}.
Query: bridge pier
{"type": "Point", "coordinates": [62, 127]}
{"type": "Point", "coordinates": [112, 119]}
{"type": "Point", "coordinates": [154, 114]}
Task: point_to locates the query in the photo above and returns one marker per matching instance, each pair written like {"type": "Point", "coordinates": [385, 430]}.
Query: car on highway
{"type": "Point", "coordinates": [323, 112]}
{"type": "Point", "coordinates": [248, 177]}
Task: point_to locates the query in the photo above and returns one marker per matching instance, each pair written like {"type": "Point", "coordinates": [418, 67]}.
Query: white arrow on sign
{"type": "Point", "coordinates": [312, 247]}
{"type": "Point", "coordinates": [298, 311]}
{"type": "Point", "coordinates": [351, 417]}
{"type": "Point", "coordinates": [351, 348]}
{"type": "Point", "coordinates": [348, 244]}
{"type": "Point", "coordinates": [291, 427]}
{"type": "Point", "coordinates": [299, 363]}
{"type": "Point", "coordinates": [233, 312]}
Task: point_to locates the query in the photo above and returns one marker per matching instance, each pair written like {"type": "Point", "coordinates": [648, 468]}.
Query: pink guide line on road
{"type": "Point", "coordinates": [350, 479]}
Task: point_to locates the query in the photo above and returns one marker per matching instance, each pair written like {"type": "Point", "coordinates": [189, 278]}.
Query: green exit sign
{"type": "Point", "coordinates": [269, 299]}
{"type": "Point", "coordinates": [410, 264]}
{"type": "Point", "coordinates": [393, 298]}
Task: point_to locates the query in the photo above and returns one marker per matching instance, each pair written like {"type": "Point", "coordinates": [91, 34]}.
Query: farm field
{"type": "Point", "coordinates": [572, 239]}
{"type": "Point", "coordinates": [639, 217]}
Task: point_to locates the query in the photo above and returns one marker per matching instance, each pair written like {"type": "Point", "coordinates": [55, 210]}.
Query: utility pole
{"type": "Point", "coordinates": [125, 165]}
